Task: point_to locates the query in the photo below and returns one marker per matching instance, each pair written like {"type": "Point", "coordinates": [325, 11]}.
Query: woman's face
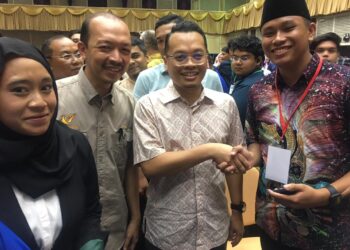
{"type": "Point", "coordinates": [27, 98]}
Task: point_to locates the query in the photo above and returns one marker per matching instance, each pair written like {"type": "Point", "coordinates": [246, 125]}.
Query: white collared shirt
{"type": "Point", "coordinates": [43, 216]}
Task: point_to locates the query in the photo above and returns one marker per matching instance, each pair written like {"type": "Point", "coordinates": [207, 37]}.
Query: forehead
{"type": "Point", "coordinates": [240, 52]}
{"type": "Point", "coordinates": [136, 49]}
{"type": "Point", "coordinates": [62, 43]}
{"type": "Point", "coordinates": [186, 41]}
{"type": "Point", "coordinates": [111, 29]}
{"type": "Point", "coordinates": [164, 29]}
{"type": "Point", "coordinates": [279, 22]}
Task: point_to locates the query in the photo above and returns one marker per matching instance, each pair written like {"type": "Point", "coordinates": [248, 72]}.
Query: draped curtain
{"type": "Point", "coordinates": [56, 18]}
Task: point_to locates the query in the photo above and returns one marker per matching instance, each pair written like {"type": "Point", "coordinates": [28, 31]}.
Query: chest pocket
{"type": "Point", "coordinates": [121, 150]}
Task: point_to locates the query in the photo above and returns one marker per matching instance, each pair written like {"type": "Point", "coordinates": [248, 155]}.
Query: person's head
{"type": "Point", "coordinates": [149, 39]}
{"type": "Point", "coordinates": [327, 46]}
{"type": "Point", "coordinates": [75, 35]}
{"type": "Point", "coordinates": [163, 27]}
{"type": "Point", "coordinates": [246, 53]}
{"type": "Point", "coordinates": [106, 46]}
{"type": "Point", "coordinates": [63, 55]}
{"type": "Point", "coordinates": [186, 55]}
{"type": "Point", "coordinates": [225, 55]}
{"type": "Point", "coordinates": [28, 94]}
{"type": "Point", "coordinates": [138, 61]}
{"type": "Point", "coordinates": [287, 31]}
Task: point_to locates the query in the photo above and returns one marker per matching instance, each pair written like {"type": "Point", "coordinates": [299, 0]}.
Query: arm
{"type": "Point", "coordinates": [170, 163]}
{"type": "Point", "coordinates": [235, 186]}
{"type": "Point", "coordinates": [132, 196]}
{"type": "Point", "coordinates": [140, 86]}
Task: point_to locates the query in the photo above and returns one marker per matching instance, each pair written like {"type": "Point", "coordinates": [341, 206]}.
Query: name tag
{"type": "Point", "coordinates": [278, 163]}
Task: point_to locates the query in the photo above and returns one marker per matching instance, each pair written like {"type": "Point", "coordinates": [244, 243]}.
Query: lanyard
{"type": "Point", "coordinates": [283, 122]}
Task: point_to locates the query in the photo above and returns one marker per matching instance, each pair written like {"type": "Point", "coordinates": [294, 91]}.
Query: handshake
{"type": "Point", "coordinates": [234, 160]}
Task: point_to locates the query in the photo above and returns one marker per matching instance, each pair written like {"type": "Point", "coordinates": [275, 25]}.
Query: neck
{"type": "Point", "coordinates": [189, 94]}
{"type": "Point", "coordinates": [101, 88]}
{"type": "Point", "coordinates": [291, 74]}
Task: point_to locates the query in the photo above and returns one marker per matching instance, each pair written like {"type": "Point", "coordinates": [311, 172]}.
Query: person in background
{"type": "Point", "coordinates": [138, 63]}
{"type": "Point", "coordinates": [302, 110]}
{"type": "Point", "coordinates": [223, 68]}
{"type": "Point", "coordinates": [63, 55]}
{"type": "Point", "coordinates": [75, 35]}
{"type": "Point", "coordinates": [92, 103]}
{"type": "Point", "coordinates": [327, 46]}
{"type": "Point", "coordinates": [247, 57]}
{"type": "Point", "coordinates": [48, 182]}
{"type": "Point", "coordinates": [157, 77]}
{"type": "Point", "coordinates": [181, 131]}
{"type": "Point", "coordinates": [150, 40]}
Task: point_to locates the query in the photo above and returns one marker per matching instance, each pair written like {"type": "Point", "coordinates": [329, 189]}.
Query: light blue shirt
{"type": "Point", "coordinates": [157, 77]}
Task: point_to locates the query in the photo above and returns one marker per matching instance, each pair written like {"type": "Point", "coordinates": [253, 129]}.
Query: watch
{"type": "Point", "coordinates": [335, 198]}
{"type": "Point", "coordinates": [241, 207]}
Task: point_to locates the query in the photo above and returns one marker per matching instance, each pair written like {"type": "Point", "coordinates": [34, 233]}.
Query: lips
{"type": "Point", "coordinates": [38, 120]}
{"type": "Point", "coordinates": [280, 51]}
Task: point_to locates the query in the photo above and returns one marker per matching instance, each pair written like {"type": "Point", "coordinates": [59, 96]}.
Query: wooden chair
{"type": "Point", "coordinates": [250, 185]}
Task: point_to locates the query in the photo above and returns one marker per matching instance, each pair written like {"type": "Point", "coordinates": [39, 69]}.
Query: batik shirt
{"type": "Point", "coordinates": [318, 137]}
{"type": "Point", "coordinates": [187, 210]}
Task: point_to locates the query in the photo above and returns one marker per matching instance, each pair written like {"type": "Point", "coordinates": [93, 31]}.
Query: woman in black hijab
{"type": "Point", "coordinates": [48, 182]}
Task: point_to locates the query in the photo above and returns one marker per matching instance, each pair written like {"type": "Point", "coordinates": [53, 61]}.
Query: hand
{"type": "Point", "coordinates": [241, 161]}
{"type": "Point", "coordinates": [132, 235]}
{"type": "Point", "coordinates": [236, 230]}
{"type": "Point", "coordinates": [305, 196]}
{"type": "Point", "coordinates": [221, 153]}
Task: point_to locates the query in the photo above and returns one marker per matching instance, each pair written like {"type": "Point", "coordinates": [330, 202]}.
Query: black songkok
{"type": "Point", "coordinates": [279, 8]}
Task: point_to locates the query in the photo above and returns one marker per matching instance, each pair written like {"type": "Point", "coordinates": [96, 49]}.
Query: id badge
{"type": "Point", "coordinates": [278, 163]}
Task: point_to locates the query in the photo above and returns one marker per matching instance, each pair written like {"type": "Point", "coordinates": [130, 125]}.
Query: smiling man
{"type": "Point", "coordinates": [302, 109]}
{"type": "Point", "coordinates": [63, 56]}
{"type": "Point", "coordinates": [92, 103]}
{"type": "Point", "coordinates": [181, 131]}
{"type": "Point", "coordinates": [138, 63]}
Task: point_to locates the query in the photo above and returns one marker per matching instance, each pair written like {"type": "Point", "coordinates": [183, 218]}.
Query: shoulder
{"type": "Point", "coordinates": [67, 82]}
{"type": "Point", "coordinates": [123, 96]}
{"type": "Point", "coordinates": [211, 73]}
{"type": "Point", "coordinates": [151, 72]}
{"type": "Point", "coordinates": [219, 98]}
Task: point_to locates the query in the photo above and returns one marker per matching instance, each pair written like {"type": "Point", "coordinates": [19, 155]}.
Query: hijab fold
{"type": "Point", "coordinates": [34, 164]}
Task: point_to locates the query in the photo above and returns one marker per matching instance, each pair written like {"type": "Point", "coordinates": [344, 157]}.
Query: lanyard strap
{"type": "Point", "coordinates": [283, 122]}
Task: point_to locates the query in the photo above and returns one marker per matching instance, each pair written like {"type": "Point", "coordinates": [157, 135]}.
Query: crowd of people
{"type": "Point", "coordinates": [110, 141]}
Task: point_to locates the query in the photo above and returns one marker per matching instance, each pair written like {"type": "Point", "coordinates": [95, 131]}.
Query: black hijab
{"type": "Point", "coordinates": [34, 164]}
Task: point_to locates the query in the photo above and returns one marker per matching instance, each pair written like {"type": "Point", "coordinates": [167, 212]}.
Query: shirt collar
{"type": "Point", "coordinates": [88, 90]}
{"type": "Point", "coordinates": [170, 94]}
{"type": "Point", "coordinates": [306, 75]}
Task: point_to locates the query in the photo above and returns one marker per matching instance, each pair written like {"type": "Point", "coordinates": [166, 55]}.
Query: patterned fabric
{"type": "Point", "coordinates": [187, 210]}
{"type": "Point", "coordinates": [107, 124]}
{"type": "Point", "coordinates": [319, 139]}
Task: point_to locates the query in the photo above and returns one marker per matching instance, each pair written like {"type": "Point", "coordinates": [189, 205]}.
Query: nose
{"type": "Point", "coordinates": [280, 37]}
{"type": "Point", "coordinates": [37, 101]}
{"type": "Point", "coordinates": [115, 55]}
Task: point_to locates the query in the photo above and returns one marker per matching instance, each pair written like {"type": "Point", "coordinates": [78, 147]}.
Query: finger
{"type": "Point", "coordinates": [222, 165]}
{"type": "Point", "coordinates": [240, 163]}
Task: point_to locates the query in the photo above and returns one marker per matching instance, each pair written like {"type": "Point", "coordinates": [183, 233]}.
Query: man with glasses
{"type": "Point", "coordinates": [181, 132]}
{"type": "Point", "coordinates": [63, 55]}
{"type": "Point", "coordinates": [157, 77]}
{"type": "Point", "coordinates": [246, 60]}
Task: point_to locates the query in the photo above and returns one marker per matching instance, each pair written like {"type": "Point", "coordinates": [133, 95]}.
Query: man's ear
{"type": "Point", "coordinates": [312, 31]}
{"type": "Point", "coordinates": [259, 61]}
{"type": "Point", "coordinates": [82, 48]}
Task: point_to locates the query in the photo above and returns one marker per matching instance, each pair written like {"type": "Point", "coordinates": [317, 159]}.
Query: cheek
{"type": "Point", "coordinates": [52, 101]}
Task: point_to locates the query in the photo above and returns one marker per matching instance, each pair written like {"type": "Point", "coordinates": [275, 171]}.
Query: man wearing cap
{"type": "Point", "coordinates": [303, 108]}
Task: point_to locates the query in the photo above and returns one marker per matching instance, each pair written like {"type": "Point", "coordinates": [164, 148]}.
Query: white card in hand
{"type": "Point", "coordinates": [278, 162]}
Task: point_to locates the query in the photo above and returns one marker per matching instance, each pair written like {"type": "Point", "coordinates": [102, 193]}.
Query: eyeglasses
{"type": "Point", "coordinates": [182, 58]}
{"type": "Point", "coordinates": [67, 56]}
{"type": "Point", "coordinates": [240, 58]}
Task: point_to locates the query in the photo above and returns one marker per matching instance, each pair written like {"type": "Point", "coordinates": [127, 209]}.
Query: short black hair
{"type": "Point", "coordinates": [224, 49]}
{"type": "Point", "coordinates": [46, 46]}
{"type": "Point", "coordinates": [330, 36]}
{"type": "Point", "coordinates": [85, 27]}
{"type": "Point", "coordinates": [135, 41]}
{"type": "Point", "coordinates": [172, 18]}
{"type": "Point", "coordinates": [186, 27]}
{"type": "Point", "coordinates": [249, 44]}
